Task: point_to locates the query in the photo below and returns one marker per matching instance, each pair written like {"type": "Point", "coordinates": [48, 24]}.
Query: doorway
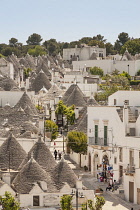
{"type": "Point", "coordinates": [36, 200]}
{"type": "Point", "coordinates": [131, 192]}
{"type": "Point", "coordinates": [89, 162]}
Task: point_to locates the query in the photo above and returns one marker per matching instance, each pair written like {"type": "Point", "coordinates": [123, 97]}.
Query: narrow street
{"type": "Point", "coordinates": [113, 202]}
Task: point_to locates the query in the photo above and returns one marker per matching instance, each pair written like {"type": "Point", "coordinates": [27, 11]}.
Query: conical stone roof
{"type": "Point", "coordinates": [42, 155]}
{"type": "Point", "coordinates": [11, 153]}
{"type": "Point", "coordinates": [30, 174]}
{"type": "Point", "coordinates": [40, 81]}
{"type": "Point", "coordinates": [63, 173]}
{"type": "Point", "coordinates": [76, 98]}
{"type": "Point", "coordinates": [25, 102]}
{"type": "Point", "coordinates": [53, 92]}
{"type": "Point", "coordinates": [68, 92]}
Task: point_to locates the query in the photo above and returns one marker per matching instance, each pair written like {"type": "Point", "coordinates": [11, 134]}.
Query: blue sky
{"type": "Point", "coordinates": [68, 20]}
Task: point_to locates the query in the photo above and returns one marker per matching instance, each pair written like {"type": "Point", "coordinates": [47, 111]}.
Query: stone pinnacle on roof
{"type": "Point", "coordinates": [11, 153]}
{"type": "Point", "coordinates": [30, 174]}
{"type": "Point", "coordinates": [40, 81]}
{"type": "Point", "coordinates": [42, 155]}
{"type": "Point", "coordinates": [63, 173]}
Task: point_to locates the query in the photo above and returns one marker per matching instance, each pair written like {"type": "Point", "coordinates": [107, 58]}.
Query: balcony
{"type": "Point", "coordinates": [130, 170]}
{"type": "Point", "coordinates": [98, 141]}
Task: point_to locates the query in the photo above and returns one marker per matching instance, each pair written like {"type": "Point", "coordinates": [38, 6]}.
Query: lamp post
{"type": "Point", "coordinates": [76, 193]}
{"type": "Point", "coordinates": [128, 68]}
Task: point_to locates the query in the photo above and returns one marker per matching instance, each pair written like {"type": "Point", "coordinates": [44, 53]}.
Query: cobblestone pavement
{"type": "Point", "coordinates": [113, 202]}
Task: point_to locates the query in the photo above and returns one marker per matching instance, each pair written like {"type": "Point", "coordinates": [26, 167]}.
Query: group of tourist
{"type": "Point", "coordinates": [57, 154]}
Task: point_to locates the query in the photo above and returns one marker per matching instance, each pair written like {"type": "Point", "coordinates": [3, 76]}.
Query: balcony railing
{"type": "Point", "coordinates": [130, 170]}
{"type": "Point", "coordinates": [98, 141]}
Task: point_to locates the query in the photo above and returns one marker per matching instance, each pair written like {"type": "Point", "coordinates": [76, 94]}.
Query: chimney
{"type": "Point", "coordinates": [6, 177]}
{"type": "Point", "coordinates": [76, 112]}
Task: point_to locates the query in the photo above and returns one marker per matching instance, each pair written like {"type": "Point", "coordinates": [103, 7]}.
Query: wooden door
{"type": "Point", "coordinates": [138, 196]}
{"type": "Point", "coordinates": [131, 192]}
{"type": "Point", "coordinates": [36, 200]}
{"type": "Point", "coordinates": [89, 162]}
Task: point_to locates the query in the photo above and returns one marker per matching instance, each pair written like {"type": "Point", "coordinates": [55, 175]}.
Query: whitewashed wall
{"type": "Point", "coordinates": [109, 65]}
{"type": "Point", "coordinates": [12, 97]}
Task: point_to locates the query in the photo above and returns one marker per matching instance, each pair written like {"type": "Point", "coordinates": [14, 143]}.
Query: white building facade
{"type": "Point", "coordinates": [114, 147]}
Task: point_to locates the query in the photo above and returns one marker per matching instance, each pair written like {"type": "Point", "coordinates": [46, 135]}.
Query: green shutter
{"type": "Point", "coordinates": [96, 134]}
{"type": "Point", "coordinates": [105, 135]}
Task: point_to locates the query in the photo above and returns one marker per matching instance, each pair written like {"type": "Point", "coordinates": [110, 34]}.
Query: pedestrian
{"type": "Point", "coordinates": [59, 154]}
{"type": "Point", "coordinates": [55, 154]}
{"type": "Point", "coordinates": [109, 187]}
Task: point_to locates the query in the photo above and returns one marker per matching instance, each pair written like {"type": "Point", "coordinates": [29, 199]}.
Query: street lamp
{"type": "Point", "coordinates": [77, 194]}
{"type": "Point", "coordinates": [128, 68]}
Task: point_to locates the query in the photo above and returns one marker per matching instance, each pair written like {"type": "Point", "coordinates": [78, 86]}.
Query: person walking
{"type": "Point", "coordinates": [55, 154]}
{"type": "Point", "coordinates": [59, 154]}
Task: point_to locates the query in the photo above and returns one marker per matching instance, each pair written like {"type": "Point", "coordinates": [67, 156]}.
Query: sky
{"type": "Point", "coordinates": [68, 20]}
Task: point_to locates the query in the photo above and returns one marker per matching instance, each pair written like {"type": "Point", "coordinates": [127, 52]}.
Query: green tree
{"type": "Point", "coordinates": [133, 46]}
{"type": "Point", "coordinates": [8, 202]}
{"type": "Point", "coordinates": [9, 50]}
{"type": "Point", "coordinates": [100, 201]}
{"type": "Point", "coordinates": [27, 72]}
{"type": "Point", "coordinates": [125, 74]}
{"type": "Point", "coordinates": [99, 37]}
{"type": "Point", "coordinates": [38, 50]}
{"type": "Point", "coordinates": [77, 141]}
{"type": "Point", "coordinates": [52, 47]}
{"type": "Point", "coordinates": [66, 202]}
{"type": "Point", "coordinates": [66, 111]}
{"type": "Point", "coordinates": [96, 42]}
{"type": "Point", "coordinates": [34, 39]}
{"type": "Point", "coordinates": [51, 126]}
{"type": "Point", "coordinates": [96, 71]}
{"type": "Point", "coordinates": [13, 42]}
{"type": "Point", "coordinates": [109, 49]}
{"type": "Point", "coordinates": [122, 39]}
{"type": "Point", "coordinates": [85, 40]}
{"type": "Point", "coordinates": [138, 73]}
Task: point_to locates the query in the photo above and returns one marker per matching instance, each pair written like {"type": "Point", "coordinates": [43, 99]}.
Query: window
{"type": "Point", "coordinates": [96, 134]}
{"type": "Point", "coordinates": [126, 102]}
{"type": "Point", "coordinates": [131, 157]}
{"type": "Point", "coordinates": [120, 154]}
{"type": "Point", "coordinates": [105, 135]}
{"type": "Point", "coordinates": [115, 101]}
{"type": "Point", "coordinates": [115, 160]}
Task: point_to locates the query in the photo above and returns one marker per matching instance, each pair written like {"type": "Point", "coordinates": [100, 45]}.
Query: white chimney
{"type": "Point", "coordinates": [6, 178]}
{"type": "Point", "coordinates": [76, 112]}
{"type": "Point", "coordinates": [125, 119]}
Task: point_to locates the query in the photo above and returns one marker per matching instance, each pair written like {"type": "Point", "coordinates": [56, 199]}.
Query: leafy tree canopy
{"type": "Point", "coordinates": [38, 50]}
{"type": "Point", "coordinates": [8, 202]}
{"type": "Point", "coordinates": [13, 42]}
{"type": "Point", "coordinates": [51, 127]}
{"type": "Point", "coordinates": [99, 37]}
{"type": "Point", "coordinates": [96, 71]}
{"type": "Point", "coordinates": [34, 39]}
{"type": "Point", "coordinates": [122, 39]}
{"type": "Point", "coordinates": [133, 46]}
{"type": "Point", "coordinates": [66, 202]}
{"type": "Point", "coordinates": [67, 111]}
{"type": "Point", "coordinates": [77, 141]}
{"type": "Point", "coordinates": [138, 73]}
